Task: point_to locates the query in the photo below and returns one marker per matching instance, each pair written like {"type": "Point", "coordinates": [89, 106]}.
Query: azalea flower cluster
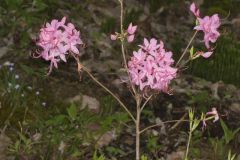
{"type": "Point", "coordinates": [209, 26]}
{"type": "Point", "coordinates": [130, 33]}
{"type": "Point", "coordinates": [57, 40]}
{"type": "Point", "coordinates": [150, 67]}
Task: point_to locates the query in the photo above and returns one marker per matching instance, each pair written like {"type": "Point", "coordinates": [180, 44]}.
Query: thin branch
{"type": "Point", "coordinates": [110, 92]}
{"type": "Point", "coordinates": [144, 104]}
{"type": "Point", "coordinates": [157, 125]}
{"type": "Point", "coordinates": [185, 51]}
{"type": "Point", "coordinates": [122, 47]}
{"type": "Point", "coordinates": [181, 119]}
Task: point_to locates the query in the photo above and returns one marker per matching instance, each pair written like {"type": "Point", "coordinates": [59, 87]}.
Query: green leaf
{"type": "Point", "coordinates": [144, 157]}
{"type": "Point", "coordinates": [228, 134]}
{"type": "Point", "coordinates": [191, 52]}
{"type": "Point", "coordinates": [95, 157]}
{"type": "Point", "coordinates": [230, 156]}
{"type": "Point", "coordinates": [195, 124]}
{"type": "Point", "coordinates": [72, 112]}
{"type": "Point", "coordinates": [57, 120]}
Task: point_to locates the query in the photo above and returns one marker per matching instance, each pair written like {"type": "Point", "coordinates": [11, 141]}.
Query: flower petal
{"type": "Point", "coordinates": [206, 54]}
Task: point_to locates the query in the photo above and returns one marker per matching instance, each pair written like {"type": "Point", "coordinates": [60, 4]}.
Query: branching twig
{"type": "Point", "coordinates": [122, 47]}
{"type": "Point", "coordinates": [157, 125]}
{"type": "Point", "coordinates": [177, 123]}
{"type": "Point", "coordinates": [185, 51]}
{"type": "Point", "coordinates": [110, 92]}
{"type": "Point", "coordinates": [147, 100]}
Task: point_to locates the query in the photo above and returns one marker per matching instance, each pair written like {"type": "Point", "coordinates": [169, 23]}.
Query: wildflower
{"type": "Point", "coordinates": [214, 113]}
{"type": "Point", "coordinates": [22, 95]}
{"type": "Point", "coordinates": [57, 40]}
{"type": "Point", "coordinates": [208, 24]}
{"type": "Point", "coordinates": [37, 93]}
{"type": "Point", "coordinates": [150, 66]}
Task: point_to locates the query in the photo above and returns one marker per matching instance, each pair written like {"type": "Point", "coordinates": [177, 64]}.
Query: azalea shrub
{"type": "Point", "coordinates": [151, 68]}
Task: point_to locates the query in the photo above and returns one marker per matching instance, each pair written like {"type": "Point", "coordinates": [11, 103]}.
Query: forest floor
{"type": "Point", "coordinates": [62, 117]}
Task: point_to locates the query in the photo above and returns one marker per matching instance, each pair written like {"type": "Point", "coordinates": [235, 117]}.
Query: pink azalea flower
{"type": "Point", "coordinates": [194, 10]}
{"type": "Point", "coordinates": [150, 67]}
{"type": "Point", "coordinates": [214, 113]}
{"type": "Point", "coordinates": [209, 26]}
{"type": "Point", "coordinates": [57, 40]}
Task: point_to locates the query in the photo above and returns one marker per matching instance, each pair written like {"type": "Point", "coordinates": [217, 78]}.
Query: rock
{"type": "Point", "coordinates": [86, 101]}
{"type": "Point", "coordinates": [90, 102]}
{"type": "Point", "coordinates": [235, 107]}
{"type": "Point", "coordinates": [36, 137]}
{"type": "Point", "coordinates": [214, 89]}
{"type": "Point", "coordinates": [62, 147]}
{"type": "Point", "coordinates": [4, 144]}
{"type": "Point", "coordinates": [178, 155]}
{"type": "Point", "coordinates": [3, 51]}
{"type": "Point", "coordinates": [106, 138]}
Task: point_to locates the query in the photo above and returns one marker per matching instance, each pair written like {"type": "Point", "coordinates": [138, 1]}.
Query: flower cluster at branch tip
{"type": "Point", "coordinates": [150, 67]}
{"type": "Point", "coordinates": [130, 33]}
{"type": "Point", "coordinates": [209, 26]}
{"type": "Point", "coordinates": [58, 39]}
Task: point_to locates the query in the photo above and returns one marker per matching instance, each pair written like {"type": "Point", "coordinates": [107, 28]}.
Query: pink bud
{"type": "Point", "coordinates": [130, 38]}
{"type": "Point", "coordinates": [194, 10]}
{"type": "Point", "coordinates": [113, 37]}
{"type": "Point", "coordinates": [206, 54]}
{"type": "Point", "coordinates": [131, 29]}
